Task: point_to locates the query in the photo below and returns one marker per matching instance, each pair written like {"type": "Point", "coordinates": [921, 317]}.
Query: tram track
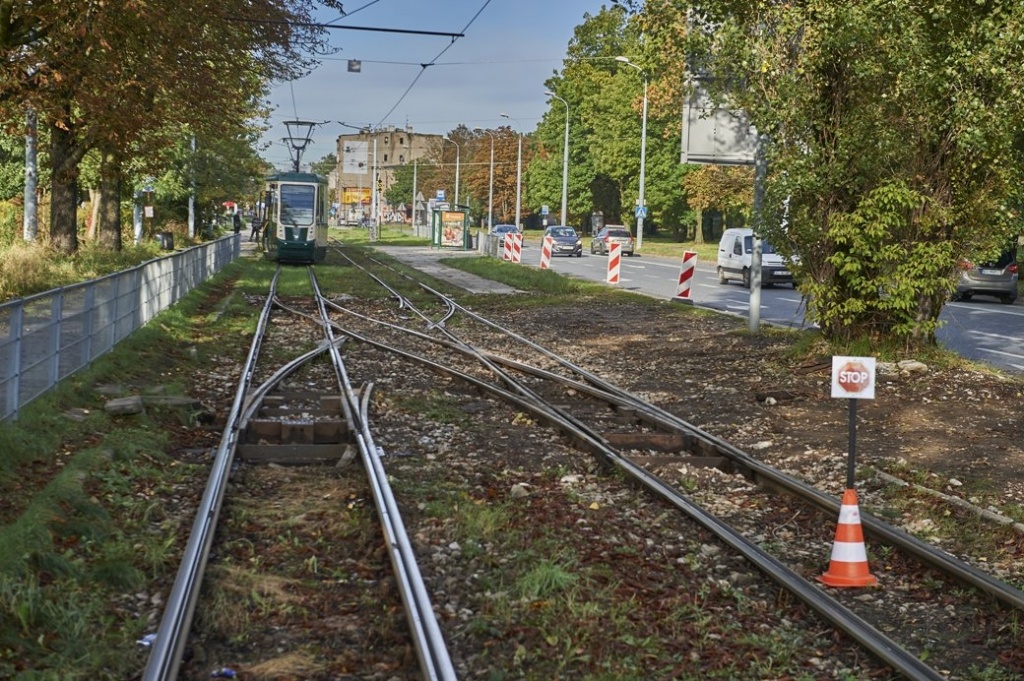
{"type": "Point", "coordinates": [288, 425]}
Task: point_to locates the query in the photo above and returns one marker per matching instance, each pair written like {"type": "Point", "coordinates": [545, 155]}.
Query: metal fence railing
{"type": "Point", "coordinates": [49, 336]}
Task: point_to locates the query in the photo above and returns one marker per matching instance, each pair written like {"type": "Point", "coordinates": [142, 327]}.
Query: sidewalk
{"type": "Point", "coordinates": [426, 259]}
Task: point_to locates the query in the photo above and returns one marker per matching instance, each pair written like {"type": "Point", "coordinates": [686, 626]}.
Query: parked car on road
{"type": "Point", "coordinates": [502, 230]}
{"type": "Point", "coordinates": [992, 278]}
{"type": "Point", "coordinates": [566, 241]}
{"type": "Point", "coordinates": [612, 234]}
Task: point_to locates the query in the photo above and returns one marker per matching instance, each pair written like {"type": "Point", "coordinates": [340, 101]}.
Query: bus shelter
{"type": "Point", "coordinates": [450, 229]}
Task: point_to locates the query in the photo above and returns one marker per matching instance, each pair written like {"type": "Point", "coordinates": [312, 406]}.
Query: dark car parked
{"type": "Point", "coordinates": [502, 230]}
{"type": "Point", "coordinates": [566, 241]}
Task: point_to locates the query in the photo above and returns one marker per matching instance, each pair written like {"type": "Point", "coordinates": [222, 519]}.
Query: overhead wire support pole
{"type": "Point", "coordinates": [490, 185]}
{"type": "Point", "coordinates": [458, 155]}
{"type": "Point", "coordinates": [519, 170]}
{"type": "Point", "coordinates": [565, 160]}
{"type": "Point", "coordinates": [641, 205]}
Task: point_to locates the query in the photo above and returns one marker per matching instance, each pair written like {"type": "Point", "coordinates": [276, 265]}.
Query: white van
{"type": "Point", "coordinates": [734, 253]}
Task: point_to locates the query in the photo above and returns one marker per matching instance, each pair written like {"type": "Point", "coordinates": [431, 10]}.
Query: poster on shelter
{"type": "Point", "coordinates": [453, 228]}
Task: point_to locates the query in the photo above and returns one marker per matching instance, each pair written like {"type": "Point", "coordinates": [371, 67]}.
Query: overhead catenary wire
{"type": "Point", "coordinates": [423, 66]}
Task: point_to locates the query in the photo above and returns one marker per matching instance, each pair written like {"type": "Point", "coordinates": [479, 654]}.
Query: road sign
{"type": "Point", "coordinates": [440, 195]}
{"type": "Point", "coordinates": [544, 210]}
{"type": "Point", "coordinates": [641, 211]}
{"type": "Point", "coordinates": [853, 377]}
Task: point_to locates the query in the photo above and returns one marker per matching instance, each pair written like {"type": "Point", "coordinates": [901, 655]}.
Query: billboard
{"type": "Point", "coordinates": [355, 195]}
{"type": "Point", "coordinates": [715, 135]}
{"type": "Point", "coordinates": [355, 158]}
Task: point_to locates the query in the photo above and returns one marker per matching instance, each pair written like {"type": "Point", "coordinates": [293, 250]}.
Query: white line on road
{"type": "Point", "coordinates": [1000, 352]}
{"type": "Point", "coordinates": [979, 310]}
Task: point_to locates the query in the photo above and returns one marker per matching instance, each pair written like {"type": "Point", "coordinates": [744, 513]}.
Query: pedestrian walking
{"type": "Point", "coordinates": [237, 220]}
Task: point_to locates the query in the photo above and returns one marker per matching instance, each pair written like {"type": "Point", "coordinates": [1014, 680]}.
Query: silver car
{"type": "Point", "coordinates": [612, 234]}
{"type": "Point", "coordinates": [994, 278]}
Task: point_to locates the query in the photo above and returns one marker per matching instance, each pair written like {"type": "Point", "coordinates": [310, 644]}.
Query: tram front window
{"type": "Point", "coordinates": [297, 204]}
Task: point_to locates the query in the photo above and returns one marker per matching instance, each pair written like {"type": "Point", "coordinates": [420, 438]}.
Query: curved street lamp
{"type": "Point", "coordinates": [519, 168]}
{"type": "Point", "coordinates": [565, 158]}
{"type": "Point", "coordinates": [643, 155]}
{"type": "Point", "coordinates": [490, 186]}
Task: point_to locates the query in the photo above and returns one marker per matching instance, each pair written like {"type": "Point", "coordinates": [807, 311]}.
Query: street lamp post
{"type": "Point", "coordinates": [519, 170]}
{"type": "Point", "coordinates": [642, 207]}
{"type": "Point", "coordinates": [565, 158]}
{"type": "Point", "coordinates": [490, 186]}
{"type": "Point", "coordinates": [458, 154]}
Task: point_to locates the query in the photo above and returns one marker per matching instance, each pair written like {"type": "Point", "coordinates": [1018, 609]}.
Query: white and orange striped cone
{"type": "Point", "coordinates": [849, 564]}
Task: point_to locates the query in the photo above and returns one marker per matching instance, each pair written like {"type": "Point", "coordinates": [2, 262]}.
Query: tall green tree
{"type": "Point", "coordinates": [605, 100]}
{"type": "Point", "coordinates": [892, 132]}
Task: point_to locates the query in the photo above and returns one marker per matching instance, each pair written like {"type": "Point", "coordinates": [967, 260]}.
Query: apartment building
{"type": "Point", "coordinates": [392, 147]}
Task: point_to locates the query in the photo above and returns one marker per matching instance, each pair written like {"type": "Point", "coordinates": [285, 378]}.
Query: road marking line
{"type": "Point", "coordinates": [1000, 352]}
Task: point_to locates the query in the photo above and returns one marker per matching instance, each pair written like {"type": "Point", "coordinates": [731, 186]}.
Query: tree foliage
{"type": "Point", "coordinates": [605, 99]}
{"type": "Point", "coordinates": [893, 135]}
{"type": "Point", "coordinates": [130, 78]}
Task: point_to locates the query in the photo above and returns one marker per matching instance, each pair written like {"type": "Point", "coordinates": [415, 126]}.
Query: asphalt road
{"type": "Point", "coordinates": [983, 329]}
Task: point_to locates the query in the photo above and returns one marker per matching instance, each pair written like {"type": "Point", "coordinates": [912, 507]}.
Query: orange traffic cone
{"type": "Point", "coordinates": [849, 565]}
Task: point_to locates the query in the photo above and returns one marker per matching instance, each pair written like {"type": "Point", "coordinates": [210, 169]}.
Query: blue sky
{"type": "Point", "coordinates": [500, 65]}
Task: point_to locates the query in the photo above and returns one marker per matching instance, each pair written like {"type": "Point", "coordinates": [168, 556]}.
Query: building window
{"type": "Point", "coordinates": [386, 139]}
{"type": "Point", "coordinates": [385, 158]}
{"type": "Point", "coordinates": [401, 158]}
{"type": "Point", "coordinates": [401, 140]}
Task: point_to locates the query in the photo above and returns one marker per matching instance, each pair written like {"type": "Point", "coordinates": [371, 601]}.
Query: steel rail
{"type": "Point", "coordinates": [431, 650]}
{"type": "Point", "coordinates": [757, 470]}
{"type": "Point", "coordinates": [844, 619]}
{"type": "Point", "coordinates": [404, 302]}
{"type": "Point", "coordinates": [760, 471]}
{"type": "Point", "coordinates": [169, 644]}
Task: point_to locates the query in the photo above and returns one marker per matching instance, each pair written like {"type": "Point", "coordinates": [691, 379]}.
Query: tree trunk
{"type": "Point", "coordinates": [64, 191]}
{"type": "Point", "coordinates": [94, 213]}
{"type": "Point", "coordinates": [110, 202]}
{"type": "Point", "coordinates": [698, 235]}
{"type": "Point", "coordinates": [31, 221]}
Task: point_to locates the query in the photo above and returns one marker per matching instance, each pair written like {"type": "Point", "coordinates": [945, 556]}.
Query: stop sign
{"type": "Point", "coordinates": [853, 377]}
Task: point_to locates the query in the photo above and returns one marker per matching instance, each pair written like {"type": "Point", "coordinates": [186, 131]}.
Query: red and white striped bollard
{"type": "Point", "coordinates": [686, 271]}
{"type": "Point", "coordinates": [614, 263]}
{"type": "Point", "coordinates": [517, 248]}
{"type": "Point", "coordinates": [506, 249]}
{"type": "Point", "coordinates": [545, 252]}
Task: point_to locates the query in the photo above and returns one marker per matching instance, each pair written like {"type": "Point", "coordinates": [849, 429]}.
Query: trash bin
{"type": "Point", "coordinates": [166, 241]}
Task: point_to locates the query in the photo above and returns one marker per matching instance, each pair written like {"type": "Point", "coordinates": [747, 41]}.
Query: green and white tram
{"type": "Point", "coordinates": [293, 215]}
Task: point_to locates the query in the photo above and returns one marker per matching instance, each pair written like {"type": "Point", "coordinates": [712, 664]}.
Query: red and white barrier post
{"type": "Point", "coordinates": [545, 252]}
{"type": "Point", "coordinates": [686, 277]}
{"type": "Point", "coordinates": [517, 248]}
{"type": "Point", "coordinates": [506, 247]}
{"type": "Point", "coordinates": [614, 263]}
